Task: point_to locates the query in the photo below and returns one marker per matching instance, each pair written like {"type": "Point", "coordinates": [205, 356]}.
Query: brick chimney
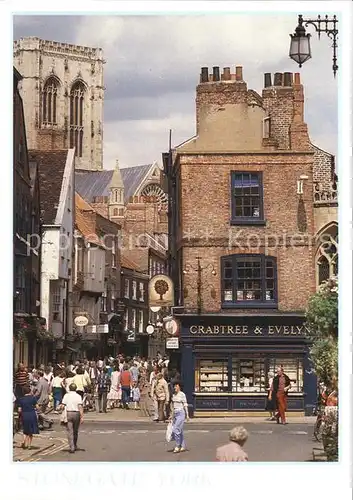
{"type": "Point", "coordinates": [217, 89]}
{"type": "Point", "coordinates": [283, 100]}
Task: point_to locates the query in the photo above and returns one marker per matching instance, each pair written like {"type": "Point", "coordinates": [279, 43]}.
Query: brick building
{"type": "Point", "coordinates": [30, 335]}
{"type": "Point", "coordinates": [243, 240]}
{"type": "Point", "coordinates": [63, 96]}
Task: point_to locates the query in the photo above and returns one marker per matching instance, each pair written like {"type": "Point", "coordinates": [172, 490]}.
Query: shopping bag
{"type": "Point", "coordinates": [63, 417]}
{"type": "Point", "coordinates": [169, 432]}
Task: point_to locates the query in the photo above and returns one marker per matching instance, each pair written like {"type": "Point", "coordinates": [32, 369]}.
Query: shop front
{"type": "Point", "coordinates": [225, 362]}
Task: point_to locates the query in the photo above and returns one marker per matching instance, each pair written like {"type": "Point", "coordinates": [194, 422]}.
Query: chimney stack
{"type": "Point", "coordinates": [288, 79]}
{"type": "Point", "coordinates": [204, 75]}
{"type": "Point", "coordinates": [239, 73]}
{"type": "Point", "coordinates": [277, 81]}
{"type": "Point", "coordinates": [296, 78]}
{"type": "Point", "coordinates": [216, 76]}
{"type": "Point", "coordinates": [268, 80]}
{"type": "Point", "coordinates": [226, 74]}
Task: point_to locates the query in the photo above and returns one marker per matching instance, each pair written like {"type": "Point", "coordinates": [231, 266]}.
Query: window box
{"type": "Point", "coordinates": [249, 280]}
{"type": "Point", "coordinates": [247, 198]}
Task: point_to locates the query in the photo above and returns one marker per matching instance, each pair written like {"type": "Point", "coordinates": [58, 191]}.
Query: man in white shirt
{"type": "Point", "coordinates": [74, 410]}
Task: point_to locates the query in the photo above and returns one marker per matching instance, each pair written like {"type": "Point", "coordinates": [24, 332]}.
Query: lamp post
{"type": "Point", "coordinates": [300, 50]}
{"type": "Point", "coordinates": [199, 269]}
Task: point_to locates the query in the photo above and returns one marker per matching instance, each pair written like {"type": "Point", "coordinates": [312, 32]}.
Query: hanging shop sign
{"type": "Point", "coordinates": [161, 291]}
{"type": "Point", "coordinates": [131, 337]}
{"type": "Point", "coordinates": [171, 327]}
{"type": "Point", "coordinates": [81, 321]}
{"type": "Point", "coordinates": [249, 330]}
{"type": "Point", "coordinates": [172, 343]}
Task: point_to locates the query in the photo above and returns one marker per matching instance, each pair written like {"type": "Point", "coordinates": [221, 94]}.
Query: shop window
{"type": "Point", "coordinates": [248, 375]}
{"type": "Point", "coordinates": [56, 300]}
{"type": "Point", "coordinates": [133, 320]}
{"type": "Point", "coordinates": [293, 367]}
{"type": "Point", "coordinates": [249, 281]}
{"type": "Point", "coordinates": [247, 197]}
{"type": "Point", "coordinates": [126, 320]}
{"type": "Point", "coordinates": [104, 301]}
{"type": "Point", "coordinates": [211, 375]}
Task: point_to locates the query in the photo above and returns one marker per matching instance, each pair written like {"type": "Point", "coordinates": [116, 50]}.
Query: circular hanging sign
{"type": "Point", "coordinates": [171, 327]}
{"type": "Point", "coordinates": [155, 309]}
{"type": "Point", "coordinates": [81, 321]}
{"type": "Point", "coordinates": [150, 329]}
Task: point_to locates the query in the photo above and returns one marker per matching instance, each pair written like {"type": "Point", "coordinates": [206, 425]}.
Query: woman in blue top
{"type": "Point", "coordinates": [27, 406]}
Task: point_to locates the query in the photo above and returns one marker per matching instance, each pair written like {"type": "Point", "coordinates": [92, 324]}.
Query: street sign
{"type": "Point", "coordinates": [131, 337]}
{"type": "Point", "coordinates": [81, 321]}
{"type": "Point", "coordinates": [172, 343]}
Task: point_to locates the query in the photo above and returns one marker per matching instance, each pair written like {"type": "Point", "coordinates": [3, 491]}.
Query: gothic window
{"type": "Point", "coordinates": [50, 94]}
{"type": "Point", "coordinates": [154, 191]}
{"type": "Point", "coordinates": [77, 96]}
{"type": "Point", "coordinates": [327, 255]}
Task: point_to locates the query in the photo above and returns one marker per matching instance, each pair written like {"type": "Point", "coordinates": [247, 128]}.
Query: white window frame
{"type": "Point", "coordinates": [134, 290]}
{"type": "Point", "coordinates": [133, 319]}
{"type": "Point", "coordinates": [127, 289]}
{"type": "Point", "coordinates": [126, 319]}
{"type": "Point", "coordinates": [142, 291]}
{"type": "Point", "coordinates": [140, 321]}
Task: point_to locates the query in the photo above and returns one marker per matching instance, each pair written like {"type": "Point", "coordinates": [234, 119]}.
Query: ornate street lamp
{"type": "Point", "coordinates": [300, 50]}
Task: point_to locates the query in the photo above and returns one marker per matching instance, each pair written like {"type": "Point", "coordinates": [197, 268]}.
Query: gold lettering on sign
{"type": "Point", "coordinates": [292, 331]}
{"type": "Point", "coordinates": [238, 330]}
{"type": "Point", "coordinates": [209, 330]}
{"type": "Point", "coordinates": [230, 330]}
{"type": "Point", "coordinates": [193, 329]}
{"type": "Point", "coordinates": [271, 330]}
{"type": "Point", "coordinates": [245, 330]}
{"type": "Point", "coordinates": [278, 329]}
{"type": "Point", "coordinates": [222, 329]}
{"type": "Point", "coordinates": [201, 329]}
{"type": "Point", "coordinates": [286, 330]}
{"type": "Point", "coordinates": [216, 329]}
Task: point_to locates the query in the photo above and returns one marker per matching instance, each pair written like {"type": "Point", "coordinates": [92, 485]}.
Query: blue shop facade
{"type": "Point", "coordinates": [225, 362]}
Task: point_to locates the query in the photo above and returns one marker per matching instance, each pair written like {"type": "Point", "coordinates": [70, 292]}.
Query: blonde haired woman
{"type": "Point", "coordinates": [180, 413]}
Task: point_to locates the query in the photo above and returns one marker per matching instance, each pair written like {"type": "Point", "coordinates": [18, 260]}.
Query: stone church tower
{"type": "Point", "coordinates": [63, 95]}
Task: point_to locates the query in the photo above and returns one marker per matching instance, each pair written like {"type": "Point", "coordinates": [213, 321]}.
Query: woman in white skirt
{"type": "Point", "coordinates": [114, 395]}
{"type": "Point", "coordinates": [180, 413]}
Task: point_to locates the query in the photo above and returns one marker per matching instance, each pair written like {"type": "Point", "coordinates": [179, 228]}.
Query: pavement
{"type": "Point", "coordinates": [123, 435]}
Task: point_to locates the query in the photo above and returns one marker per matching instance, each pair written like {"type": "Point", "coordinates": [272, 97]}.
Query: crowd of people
{"type": "Point", "coordinates": [99, 385]}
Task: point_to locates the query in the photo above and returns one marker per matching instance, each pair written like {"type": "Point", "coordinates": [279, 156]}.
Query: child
{"type": "Point", "coordinates": [136, 396]}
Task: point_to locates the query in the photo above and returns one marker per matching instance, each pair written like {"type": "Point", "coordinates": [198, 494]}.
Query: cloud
{"type": "Point", "coordinates": [153, 66]}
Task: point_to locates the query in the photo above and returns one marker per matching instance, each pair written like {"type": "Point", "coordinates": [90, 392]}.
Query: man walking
{"type": "Point", "coordinates": [42, 392]}
{"type": "Point", "coordinates": [103, 387]}
{"type": "Point", "coordinates": [160, 392]}
{"type": "Point", "coordinates": [74, 411]}
{"type": "Point", "coordinates": [279, 390]}
{"type": "Point", "coordinates": [126, 384]}
{"type": "Point", "coordinates": [21, 380]}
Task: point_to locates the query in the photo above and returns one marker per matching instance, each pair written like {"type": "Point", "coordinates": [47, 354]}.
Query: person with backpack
{"type": "Point", "coordinates": [126, 384]}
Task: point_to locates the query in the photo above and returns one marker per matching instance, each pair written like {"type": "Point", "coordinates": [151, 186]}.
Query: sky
{"type": "Point", "coordinates": [153, 65]}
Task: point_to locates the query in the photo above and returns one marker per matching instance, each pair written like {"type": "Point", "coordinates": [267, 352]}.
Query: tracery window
{"type": "Point", "coordinates": [327, 255]}
{"type": "Point", "coordinates": [50, 94]}
{"type": "Point", "coordinates": [77, 96]}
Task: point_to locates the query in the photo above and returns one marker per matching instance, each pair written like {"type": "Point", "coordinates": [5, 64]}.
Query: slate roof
{"type": "Point", "coordinates": [96, 183]}
{"type": "Point", "coordinates": [91, 184]}
{"type": "Point", "coordinates": [132, 178]}
{"type": "Point", "coordinates": [51, 168]}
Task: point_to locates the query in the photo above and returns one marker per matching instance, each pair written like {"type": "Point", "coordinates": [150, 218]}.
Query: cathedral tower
{"type": "Point", "coordinates": [63, 95]}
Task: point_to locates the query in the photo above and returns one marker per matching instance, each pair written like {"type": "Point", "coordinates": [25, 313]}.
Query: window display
{"type": "Point", "coordinates": [293, 367]}
{"type": "Point", "coordinates": [211, 375]}
{"type": "Point", "coordinates": [248, 375]}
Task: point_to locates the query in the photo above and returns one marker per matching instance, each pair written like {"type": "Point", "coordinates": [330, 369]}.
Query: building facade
{"type": "Point", "coordinates": [56, 184]}
{"type": "Point", "coordinates": [97, 283]}
{"type": "Point", "coordinates": [30, 337]}
{"type": "Point", "coordinates": [136, 312]}
{"type": "Point", "coordinates": [63, 97]}
{"type": "Point", "coordinates": [243, 239]}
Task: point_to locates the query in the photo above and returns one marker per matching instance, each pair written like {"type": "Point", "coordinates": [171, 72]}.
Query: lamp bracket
{"type": "Point", "coordinates": [325, 25]}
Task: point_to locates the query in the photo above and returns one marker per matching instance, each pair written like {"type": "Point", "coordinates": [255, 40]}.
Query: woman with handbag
{"type": "Point", "coordinates": [27, 406]}
{"type": "Point", "coordinates": [180, 413]}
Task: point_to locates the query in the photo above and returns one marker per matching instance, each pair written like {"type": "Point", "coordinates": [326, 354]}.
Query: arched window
{"type": "Point", "coordinates": [327, 254]}
{"type": "Point", "coordinates": [77, 95]}
{"type": "Point", "coordinates": [50, 93]}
